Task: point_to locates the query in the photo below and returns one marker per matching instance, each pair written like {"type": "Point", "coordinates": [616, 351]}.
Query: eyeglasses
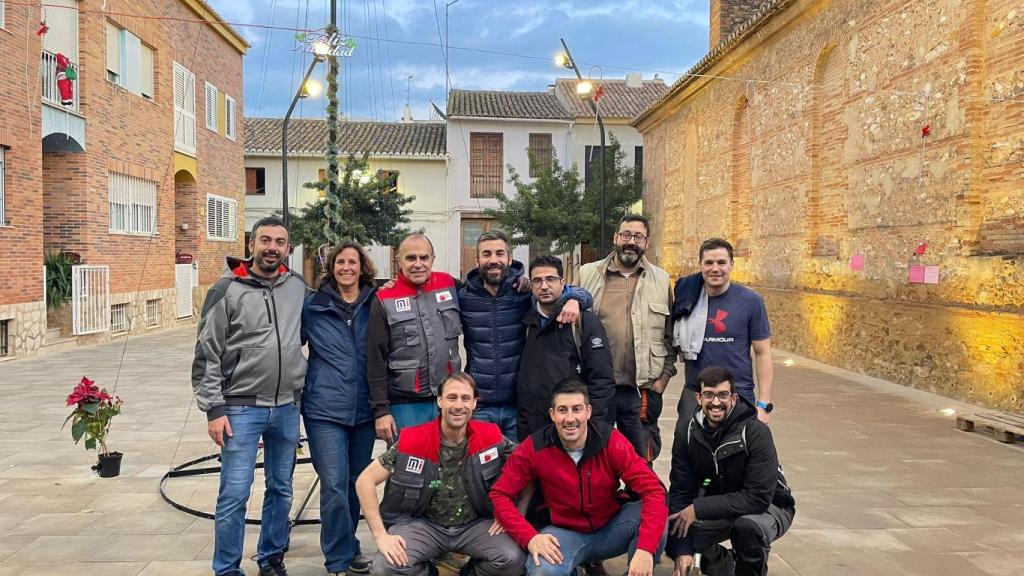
{"type": "Point", "coordinates": [546, 279]}
{"type": "Point", "coordinates": [638, 237]}
{"type": "Point", "coordinates": [708, 395]}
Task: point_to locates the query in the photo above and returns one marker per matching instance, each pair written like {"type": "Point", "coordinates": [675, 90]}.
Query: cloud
{"type": "Point", "coordinates": [494, 46]}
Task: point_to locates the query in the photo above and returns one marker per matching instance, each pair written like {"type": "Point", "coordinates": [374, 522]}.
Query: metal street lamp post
{"type": "Point", "coordinates": [586, 88]}
{"type": "Point", "coordinates": [300, 93]}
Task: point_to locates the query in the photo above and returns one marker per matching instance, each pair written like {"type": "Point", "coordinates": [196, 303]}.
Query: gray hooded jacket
{"type": "Point", "coordinates": [249, 348]}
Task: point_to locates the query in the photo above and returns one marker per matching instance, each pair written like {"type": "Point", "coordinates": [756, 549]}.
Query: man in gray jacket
{"type": "Point", "coordinates": [247, 376]}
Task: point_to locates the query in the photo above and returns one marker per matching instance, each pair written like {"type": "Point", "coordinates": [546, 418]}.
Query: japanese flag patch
{"type": "Point", "coordinates": [489, 455]}
{"type": "Point", "coordinates": [403, 304]}
{"type": "Point", "coordinates": [443, 296]}
{"type": "Point", "coordinates": [415, 465]}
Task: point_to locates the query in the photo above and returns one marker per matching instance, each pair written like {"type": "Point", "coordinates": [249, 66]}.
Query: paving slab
{"type": "Point", "coordinates": [884, 483]}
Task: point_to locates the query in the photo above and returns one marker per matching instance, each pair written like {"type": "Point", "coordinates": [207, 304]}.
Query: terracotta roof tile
{"type": "Point", "coordinates": [309, 136]}
{"type": "Point", "coordinates": [515, 105]}
{"type": "Point", "coordinates": [618, 100]}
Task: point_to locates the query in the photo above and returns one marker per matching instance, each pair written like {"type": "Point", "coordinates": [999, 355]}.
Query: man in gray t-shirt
{"type": "Point", "coordinates": [737, 322]}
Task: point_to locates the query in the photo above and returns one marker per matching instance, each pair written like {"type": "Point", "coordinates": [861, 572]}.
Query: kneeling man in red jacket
{"type": "Point", "coordinates": [579, 465]}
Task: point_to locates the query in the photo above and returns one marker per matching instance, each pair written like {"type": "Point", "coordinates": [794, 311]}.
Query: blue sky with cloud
{"type": "Point", "coordinates": [494, 45]}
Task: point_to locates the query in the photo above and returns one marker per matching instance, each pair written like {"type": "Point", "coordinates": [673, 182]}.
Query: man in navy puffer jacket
{"type": "Point", "coordinates": [492, 308]}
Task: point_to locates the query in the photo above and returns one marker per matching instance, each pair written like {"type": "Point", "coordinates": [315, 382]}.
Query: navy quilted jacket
{"type": "Point", "coordinates": [336, 387]}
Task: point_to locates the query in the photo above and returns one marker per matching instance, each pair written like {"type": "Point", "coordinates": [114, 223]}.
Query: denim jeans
{"type": "Point", "coordinates": [339, 453]}
{"type": "Point", "coordinates": [504, 416]}
{"type": "Point", "coordinates": [279, 428]}
{"type": "Point", "coordinates": [615, 538]}
{"type": "Point", "coordinates": [408, 414]}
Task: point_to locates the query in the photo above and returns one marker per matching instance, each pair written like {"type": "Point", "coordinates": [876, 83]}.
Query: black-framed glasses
{"type": "Point", "coordinates": [545, 279]}
{"type": "Point", "coordinates": [637, 237]}
{"type": "Point", "coordinates": [708, 395]}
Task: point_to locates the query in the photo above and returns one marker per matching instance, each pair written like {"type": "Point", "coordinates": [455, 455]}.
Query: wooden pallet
{"type": "Point", "coordinates": [1005, 426]}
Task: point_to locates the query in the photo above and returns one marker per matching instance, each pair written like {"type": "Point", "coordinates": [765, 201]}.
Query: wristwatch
{"type": "Point", "coordinates": [766, 406]}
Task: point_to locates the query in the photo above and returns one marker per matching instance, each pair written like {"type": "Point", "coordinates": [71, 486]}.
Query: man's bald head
{"type": "Point", "coordinates": [415, 238]}
{"type": "Point", "coordinates": [416, 258]}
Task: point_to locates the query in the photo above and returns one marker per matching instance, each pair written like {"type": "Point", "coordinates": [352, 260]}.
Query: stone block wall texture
{"type": "Point", "coordinates": [813, 152]}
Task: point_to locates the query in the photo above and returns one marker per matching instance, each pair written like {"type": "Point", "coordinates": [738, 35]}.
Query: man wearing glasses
{"type": "Point", "coordinates": [552, 352]}
{"type": "Point", "coordinates": [633, 297]}
{"type": "Point", "coordinates": [726, 484]}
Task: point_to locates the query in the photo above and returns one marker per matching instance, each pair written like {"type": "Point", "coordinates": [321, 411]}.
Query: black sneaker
{"type": "Point", "coordinates": [274, 568]}
{"type": "Point", "coordinates": [361, 564]}
{"type": "Point", "coordinates": [595, 568]}
{"type": "Point", "coordinates": [718, 561]}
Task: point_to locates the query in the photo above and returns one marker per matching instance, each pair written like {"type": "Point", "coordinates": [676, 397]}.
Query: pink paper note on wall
{"type": "Point", "coordinates": [916, 274]}
{"type": "Point", "coordinates": [931, 274]}
{"type": "Point", "coordinates": [857, 262]}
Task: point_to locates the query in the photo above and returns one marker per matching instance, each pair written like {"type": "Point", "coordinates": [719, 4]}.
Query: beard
{"type": "Point", "coordinates": [494, 281]}
{"type": "Point", "coordinates": [628, 254]}
{"type": "Point", "coordinates": [259, 259]}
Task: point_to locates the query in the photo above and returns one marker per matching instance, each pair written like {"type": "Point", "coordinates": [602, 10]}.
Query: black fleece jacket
{"type": "Point", "coordinates": [725, 472]}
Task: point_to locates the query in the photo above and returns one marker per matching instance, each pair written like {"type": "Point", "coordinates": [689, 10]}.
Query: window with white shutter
{"type": "Point", "coordinates": [130, 62]}
{"type": "Point", "coordinates": [3, 10]}
{"type": "Point", "coordinates": [221, 214]}
{"type": "Point", "coordinates": [184, 110]}
{"type": "Point", "coordinates": [146, 88]}
{"type": "Point", "coordinates": [62, 21]}
{"type": "Point", "coordinates": [132, 204]}
{"type": "Point", "coordinates": [113, 54]}
{"type": "Point", "coordinates": [211, 107]}
{"type": "Point", "coordinates": [229, 117]}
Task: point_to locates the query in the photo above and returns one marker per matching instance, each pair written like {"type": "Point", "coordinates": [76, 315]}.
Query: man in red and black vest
{"type": "Point", "coordinates": [412, 340]}
{"type": "Point", "coordinates": [436, 499]}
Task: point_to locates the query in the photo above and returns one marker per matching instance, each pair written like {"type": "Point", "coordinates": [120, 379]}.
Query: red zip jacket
{"type": "Point", "coordinates": [584, 497]}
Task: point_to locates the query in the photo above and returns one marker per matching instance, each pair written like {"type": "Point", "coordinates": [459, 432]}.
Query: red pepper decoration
{"type": "Point", "coordinates": [43, 29]}
{"type": "Point", "coordinates": [926, 131]}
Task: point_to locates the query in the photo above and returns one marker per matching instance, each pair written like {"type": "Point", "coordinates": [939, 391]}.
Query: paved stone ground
{"type": "Point", "coordinates": [884, 484]}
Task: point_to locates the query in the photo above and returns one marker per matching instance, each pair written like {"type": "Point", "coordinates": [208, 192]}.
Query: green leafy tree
{"type": "Point", "coordinates": [548, 211]}
{"type": "Point", "coordinates": [366, 209]}
{"type": "Point", "coordinates": [623, 189]}
{"type": "Point", "coordinates": [558, 210]}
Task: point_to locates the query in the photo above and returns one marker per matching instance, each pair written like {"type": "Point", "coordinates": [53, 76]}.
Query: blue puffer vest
{"type": "Point", "coordinates": [336, 387]}
{"type": "Point", "coordinates": [492, 327]}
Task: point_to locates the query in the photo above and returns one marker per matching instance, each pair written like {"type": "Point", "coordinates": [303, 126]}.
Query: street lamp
{"type": "Point", "coordinates": [585, 88]}
{"type": "Point", "coordinates": [306, 88]}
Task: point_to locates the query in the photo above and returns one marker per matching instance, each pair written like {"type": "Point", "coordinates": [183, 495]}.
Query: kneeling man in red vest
{"type": "Point", "coordinates": [579, 465]}
{"type": "Point", "coordinates": [438, 476]}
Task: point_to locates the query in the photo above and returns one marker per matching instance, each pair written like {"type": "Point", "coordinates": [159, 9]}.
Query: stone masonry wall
{"type": "Point", "coordinates": [814, 152]}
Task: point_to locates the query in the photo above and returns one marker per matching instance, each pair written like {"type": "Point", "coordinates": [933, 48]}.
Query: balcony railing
{"type": "Point", "coordinates": [48, 78]}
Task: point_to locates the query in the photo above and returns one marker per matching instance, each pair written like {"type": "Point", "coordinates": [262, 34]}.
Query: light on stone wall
{"type": "Point", "coordinates": [948, 411]}
{"type": "Point", "coordinates": [788, 362]}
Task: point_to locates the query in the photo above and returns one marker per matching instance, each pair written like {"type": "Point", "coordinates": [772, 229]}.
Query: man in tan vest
{"type": "Point", "coordinates": [633, 298]}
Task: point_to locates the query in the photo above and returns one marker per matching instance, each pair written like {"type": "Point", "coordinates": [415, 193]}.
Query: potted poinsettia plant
{"type": "Point", "coordinates": [91, 418]}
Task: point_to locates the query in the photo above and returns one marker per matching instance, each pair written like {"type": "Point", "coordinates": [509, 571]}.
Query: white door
{"type": "Point", "coordinates": [183, 287]}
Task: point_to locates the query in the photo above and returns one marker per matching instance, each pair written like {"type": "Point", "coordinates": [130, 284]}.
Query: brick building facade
{"type": "Point", "coordinates": [123, 176]}
{"type": "Point", "coordinates": [843, 146]}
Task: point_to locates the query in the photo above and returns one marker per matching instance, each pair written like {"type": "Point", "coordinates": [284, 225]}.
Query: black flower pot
{"type": "Point", "coordinates": [109, 465]}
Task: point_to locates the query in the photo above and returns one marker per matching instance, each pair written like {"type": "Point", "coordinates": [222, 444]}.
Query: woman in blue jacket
{"type": "Point", "coordinates": [336, 399]}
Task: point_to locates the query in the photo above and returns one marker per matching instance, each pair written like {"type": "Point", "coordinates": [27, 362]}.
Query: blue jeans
{"type": "Point", "coordinates": [408, 414]}
{"type": "Point", "coordinates": [279, 428]}
{"type": "Point", "coordinates": [339, 454]}
{"type": "Point", "coordinates": [504, 416]}
{"type": "Point", "coordinates": [616, 538]}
